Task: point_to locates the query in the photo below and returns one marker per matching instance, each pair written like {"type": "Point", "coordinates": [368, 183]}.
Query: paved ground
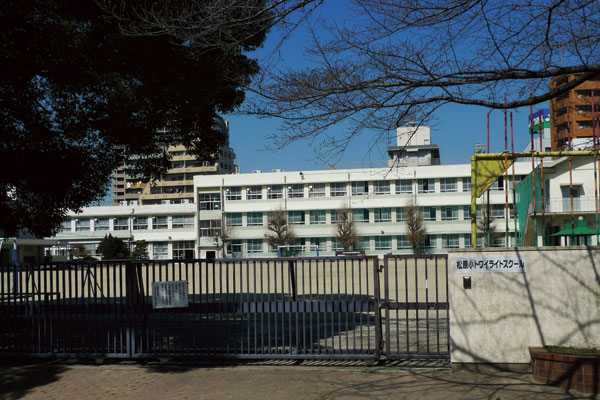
{"type": "Point", "coordinates": [264, 381]}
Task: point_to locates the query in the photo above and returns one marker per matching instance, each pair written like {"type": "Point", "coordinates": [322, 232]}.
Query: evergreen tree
{"type": "Point", "coordinates": [111, 248]}
{"type": "Point", "coordinates": [140, 252]}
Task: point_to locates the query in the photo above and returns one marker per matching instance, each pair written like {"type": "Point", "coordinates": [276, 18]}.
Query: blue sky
{"type": "Point", "coordinates": [456, 130]}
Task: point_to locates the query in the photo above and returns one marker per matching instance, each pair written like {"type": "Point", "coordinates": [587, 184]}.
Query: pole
{"type": "Point", "coordinates": [512, 149]}
{"type": "Point", "coordinates": [595, 167]}
{"type": "Point", "coordinates": [506, 212]}
{"type": "Point", "coordinates": [487, 243]}
{"type": "Point", "coordinates": [473, 202]}
{"type": "Point", "coordinates": [570, 174]}
{"type": "Point", "coordinates": [535, 232]}
{"type": "Point", "coordinates": [542, 180]}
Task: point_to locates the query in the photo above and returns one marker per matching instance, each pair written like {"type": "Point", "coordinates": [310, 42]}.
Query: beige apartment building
{"type": "Point", "coordinates": [177, 185]}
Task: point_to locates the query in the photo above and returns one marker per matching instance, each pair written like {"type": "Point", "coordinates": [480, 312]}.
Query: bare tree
{"type": "Point", "coordinates": [279, 232]}
{"type": "Point", "coordinates": [486, 229]}
{"type": "Point", "coordinates": [345, 230]}
{"type": "Point", "coordinates": [222, 237]}
{"type": "Point", "coordinates": [415, 229]}
{"type": "Point", "coordinates": [384, 63]}
{"type": "Point", "coordinates": [206, 25]}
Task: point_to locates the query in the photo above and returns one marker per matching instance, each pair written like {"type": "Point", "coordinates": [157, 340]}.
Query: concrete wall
{"type": "Point", "coordinates": [556, 301]}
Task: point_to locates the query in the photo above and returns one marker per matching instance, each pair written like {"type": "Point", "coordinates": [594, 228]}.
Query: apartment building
{"type": "Point", "coordinates": [571, 113]}
{"type": "Point", "coordinates": [177, 185]}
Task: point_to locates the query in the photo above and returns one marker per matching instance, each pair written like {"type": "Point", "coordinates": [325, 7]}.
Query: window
{"type": "Point", "coordinates": [360, 215]}
{"type": "Point", "coordinates": [360, 188]}
{"type": "Point", "coordinates": [233, 193]}
{"type": "Point", "coordinates": [233, 219]}
{"type": "Point", "coordinates": [338, 189]}
{"type": "Point", "coordinates": [364, 243]}
{"type": "Point", "coordinates": [254, 245]}
{"type": "Point", "coordinates": [426, 186]}
{"type": "Point", "coordinates": [210, 228]}
{"type": "Point", "coordinates": [383, 242]}
{"type": "Point", "coordinates": [121, 224]}
{"type": "Point", "coordinates": [450, 241]}
{"type": "Point", "coordinates": [334, 216]}
{"type": "Point", "coordinates": [316, 190]}
{"type": "Point", "coordinates": [320, 242]}
{"type": "Point", "coordinates": [210, 201]}
{"type": "Point", "coordinates": [404, 186]}
{"type": "Point", "coordinates": [449, 213]}
{"type": "Point", "coordinates": [160, 222]}
{"type": "Point", "coordinates": [275, 192]}
{"type": "Point", "coordinates": [140, 223]}
{"type": "Point", "coordinates": [430, 242]}
{"type": "Point", "coordinates": [466, 184]}
{"type": "Point", "coordinates": [497, 211]}
{"type": "Point", "coordinates": [82, 225]}
{"type": "Point", "coordinates": [400, 215]}
{"type": "Point", "coordinates": [383, 215]}
{"type": "Point", "coordinates": [254, 192]}
{"type": "Point", "coordinates": [429, 213]}
{"type": "Point", "coordinates": [160, 250]}
{"type": "Point", "coordinates": [498, 185]}
{"type": "Point", "coordinates": [101, 224]}
{"type": "Point", "coordinates": [296, 217]}
{"type": "Point", "coordinates": [183, 221]}
{"type": "Point", "coordinates": [254, 218]}
{"type": "Point", "coordinates": [336, 245]}
{"type": "Point", "coordinates": [295, 191]}
{"type": "Point", "coordinates": [448, 185]}
{"type": "Point", "coordinates": [183, 249]}
{"type": "Point", "coordinates": [466, 213]}
{"type": "Point", "coordinates": [66, 226]}
{"type": "Point", "coordinates": [381, 187]}
{"type": "Point", "coordinates": [318, 217]}
{"type": "Point", "coordinates": [235, 248]}
{"type": "Point", "coordinates": [467, 241]}
{"type": "Point", "coordinates": [403, 243]}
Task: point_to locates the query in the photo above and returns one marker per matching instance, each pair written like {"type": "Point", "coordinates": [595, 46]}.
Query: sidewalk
{"type": "Point", "coordinates": [263, 381]}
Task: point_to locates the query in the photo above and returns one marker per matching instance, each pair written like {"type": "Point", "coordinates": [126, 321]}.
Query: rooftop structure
{"type": "Point", "coordinates": [413, 147]}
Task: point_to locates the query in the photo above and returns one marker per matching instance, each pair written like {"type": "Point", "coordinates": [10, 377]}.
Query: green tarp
{"type": "Point", "coordinates": [524, 199]}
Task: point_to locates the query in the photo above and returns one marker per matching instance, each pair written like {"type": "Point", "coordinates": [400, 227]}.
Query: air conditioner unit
{"type": "Point", "coordinates": [257, 171]}
{"type": "Point", "coordinates": [185, 201]}
{"type": "Point", "coordinates": [277, 170]}
{"type": "Point", "coordinates": [133, 203]}
{"type": "Point", "coordinates": [166, 202]}
{"type": "Point", "coordinates": [123, 202]}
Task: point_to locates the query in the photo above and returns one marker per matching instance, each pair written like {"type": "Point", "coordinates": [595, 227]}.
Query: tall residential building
{"type": "Point", "coordinates": [177, 185]}
{"type": "Point", "coordinates": [573, 108]}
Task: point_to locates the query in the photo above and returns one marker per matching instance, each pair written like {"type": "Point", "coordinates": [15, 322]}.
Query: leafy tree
{"type": "Point", "coordinates": [140, 251]}
{"type": "Point", "coordinates": [416, 233]}
{"type": "Point", "coordinates": [78, 97]}
{"type": "Point", "coordinates": [345, 230]}
{"type": "Point", "coordinates": [279, 232]}
{"type": "Point", "coordinates": [113, 248]}
{"type": "Point", "coordinates": [486, 229]}
{"type": "Point", "coordinates": [383, 63]}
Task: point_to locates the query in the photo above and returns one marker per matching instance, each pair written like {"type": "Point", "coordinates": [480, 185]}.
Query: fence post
{"type": "Point", "coordinates": [378, 330]}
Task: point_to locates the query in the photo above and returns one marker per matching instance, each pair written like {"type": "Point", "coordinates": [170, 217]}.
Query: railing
{"type": "Point", "coordinates": [563, 205]}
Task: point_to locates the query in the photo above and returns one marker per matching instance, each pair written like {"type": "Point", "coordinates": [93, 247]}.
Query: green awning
{"type": "Point", "coordinates": [580, 229]}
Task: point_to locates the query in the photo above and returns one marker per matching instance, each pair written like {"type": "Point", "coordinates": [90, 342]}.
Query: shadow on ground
{"type": "Point", "coordinates": [18, 378]}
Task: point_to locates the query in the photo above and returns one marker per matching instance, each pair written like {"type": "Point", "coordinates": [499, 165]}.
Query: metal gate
{"type": "Point", "coordinates": [303, 308]}
{"type": "Point", "coordinates": [416, 309]}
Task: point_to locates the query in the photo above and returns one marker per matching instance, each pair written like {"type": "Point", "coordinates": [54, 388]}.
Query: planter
{"type": "Point", "coordinates": [574, 372]}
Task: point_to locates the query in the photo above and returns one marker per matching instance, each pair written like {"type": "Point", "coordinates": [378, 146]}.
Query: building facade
{"type": "Point", "coordinates": [571, 113]}
{"type": "Point", "coordinates": [177, 185]}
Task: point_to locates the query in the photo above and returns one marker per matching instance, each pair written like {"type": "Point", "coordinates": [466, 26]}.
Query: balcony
{"type": "Point", "coordinates": [563, 205]}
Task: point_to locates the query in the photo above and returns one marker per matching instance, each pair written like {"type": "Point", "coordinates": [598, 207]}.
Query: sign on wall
{"type": "Point", "coordinates": [485, 264]}
{"type": "Point", "coordinates": [170, 294]}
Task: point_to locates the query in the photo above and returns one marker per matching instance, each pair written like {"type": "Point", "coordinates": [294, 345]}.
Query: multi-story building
{"type": "Point", "coordinates": [170, 230]}
{"type": "Point", "coordinates": [413, 147]}
{"type": "Point", "coordinates": [176, 186]}
{"type": "Point", "coordinates": [571, 113]}
{"type": "Point", "coordinates": [376, 197]}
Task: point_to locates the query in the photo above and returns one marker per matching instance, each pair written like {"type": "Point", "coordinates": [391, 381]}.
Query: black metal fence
{"type": "Point", "coordinates": [321, 307]}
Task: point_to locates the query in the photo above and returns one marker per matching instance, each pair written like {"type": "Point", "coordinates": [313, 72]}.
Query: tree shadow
{"type": "Point", "coordinates": [18, 378]}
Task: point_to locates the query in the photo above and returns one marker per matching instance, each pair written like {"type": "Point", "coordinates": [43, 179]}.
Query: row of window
{"type": "Point", "coordinates": [126, 223]}
{"type": "Point", "coordinates": [363, 215]}
{"type": "Point", "coordinates": [367, 243]}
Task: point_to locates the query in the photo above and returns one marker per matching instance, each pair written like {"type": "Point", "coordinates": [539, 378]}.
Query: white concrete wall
{"type": "Point", "coordinates": [556, 301]}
